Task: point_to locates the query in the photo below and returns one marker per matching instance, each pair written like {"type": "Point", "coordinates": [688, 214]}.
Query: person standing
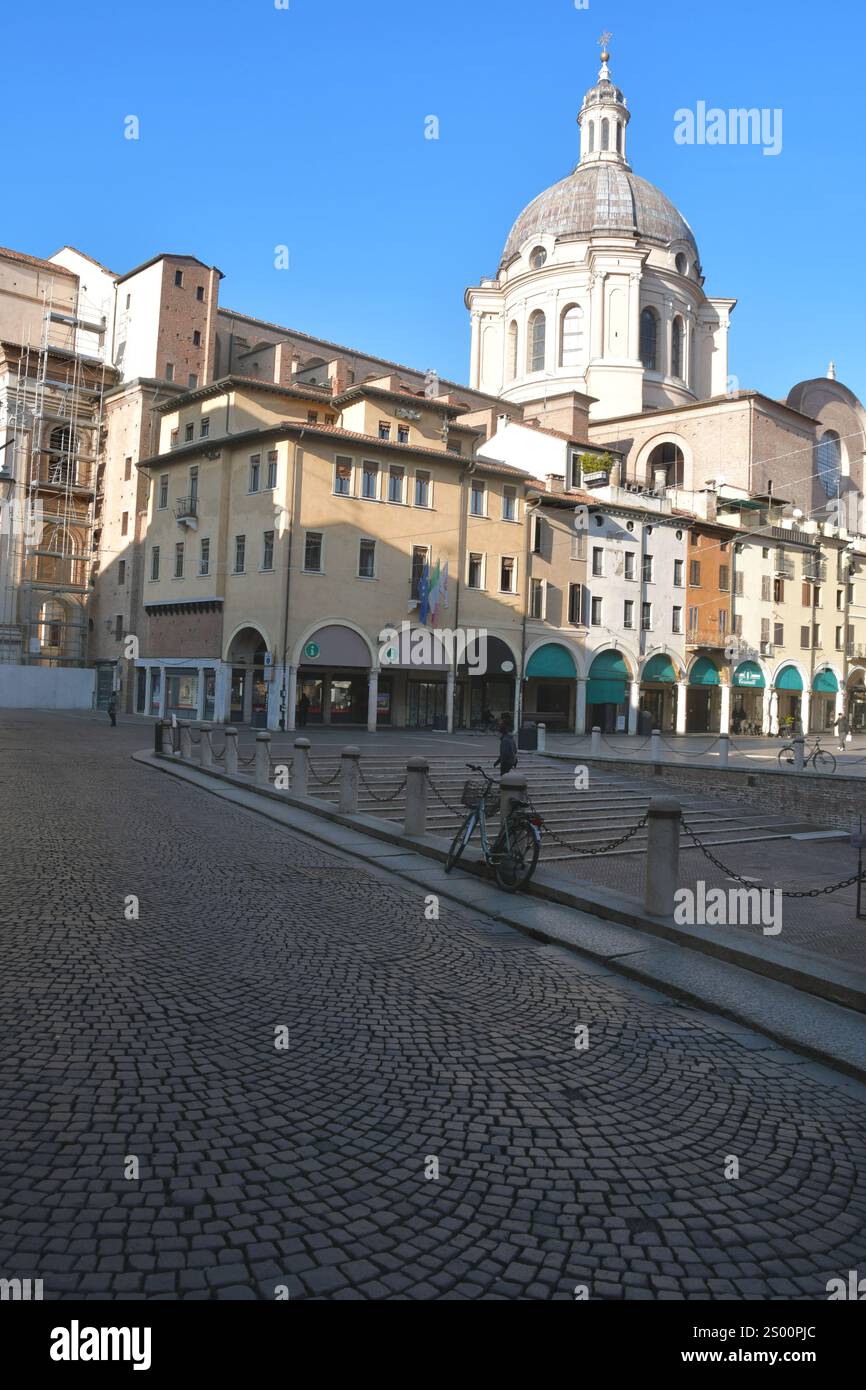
{"type": "Point", "coordinates": [841, 727]}
{"type": "Point", "coordinates": [111, 710]}
{"type": "Point", "coordinates": [303, 707]}
{"type": "Point", "coordinates": [507, 759]}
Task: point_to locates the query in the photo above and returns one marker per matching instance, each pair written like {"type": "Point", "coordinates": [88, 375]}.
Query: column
{"type": "Point", "coordinates": [248, 695]}
{"type": "Point", "coordinates": [840, 703]}
{"type": "Point", "coordinates": [633, 705]}
{"type": "Point", "coordinates": [372, 701]}
{"type": "Point", "coordinates": [805, 710]}
{"type": "Point", "coordinates": [634, 316]}
{"type": "Point", "coordinates": [596, 319]}
{"type": "Point", "coordinates": [291, 695]}
{"type": "Point", "coordinates": [681, 707]}
{"type": "Point", "coordinates": [771, 711]}
{"type": "Point", "coordinates": [162, 690]}
{"type": "Point", "coordinates": [518, 686]}
{"type": "Point", "coordinates": [580, 705]}
{"type": "Point", "coordinates": [449, 698]}
{"type": "Point", "coordinates": [725, 720]}
{"type": "Point", "coordinates": [222, 693]}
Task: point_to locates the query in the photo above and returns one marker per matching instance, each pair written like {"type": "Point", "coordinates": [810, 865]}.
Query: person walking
{"type": "Point", "coordinates": [111, 710]}
{"type": "Point", "coordinates": [841, 727]}
{"type": "Point", "coordinates": [303, 707]}
{"type": "Point", "coordinates": [507, 759]}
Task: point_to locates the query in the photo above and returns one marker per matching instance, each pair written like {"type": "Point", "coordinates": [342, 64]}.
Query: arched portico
{"type": "Point", "coordinates": [250, 663]}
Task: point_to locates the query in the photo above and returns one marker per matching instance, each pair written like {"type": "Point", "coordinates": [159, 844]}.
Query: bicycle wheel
{"type": "Point", "coordinates": [460, 841]}
{"type": "Point", "coordinates": [515, 853]}
{"type": "Point", "coordinates": [786, 757]}
{"type": "Point", "coordinates": [824, 761]}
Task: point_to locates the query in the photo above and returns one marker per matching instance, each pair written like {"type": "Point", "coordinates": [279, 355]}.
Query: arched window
{"type": "Point", "coordinates": [677, 348]}
{"type": "Point", "coordinates": [571, 336]}
{"type": "Point", "coordinates": [63, 444]}
{"type": "Point", "coordinates": [829, 462]}
{"type": "Point", "coordinates": [52, 621]}
{"type": "Point", "coordinates": [649, 339]}
{"type": "Point", "coordinates": [511, 361]}
{"type": "Point", "coordinates": [619, 137]}
{"type": "Point", "coordinates": [536, 344]}
{"type": "Point", "coordinates": [591, 146]}
{"type": "Point", "coordinates": [605, 134]}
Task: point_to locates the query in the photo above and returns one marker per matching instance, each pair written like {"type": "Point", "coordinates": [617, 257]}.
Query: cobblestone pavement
{"type": "Point", "coordinates": [409, 1040]}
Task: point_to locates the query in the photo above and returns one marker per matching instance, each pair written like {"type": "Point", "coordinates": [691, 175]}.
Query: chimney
{"type": "Point", "coordinates": [554, 482]}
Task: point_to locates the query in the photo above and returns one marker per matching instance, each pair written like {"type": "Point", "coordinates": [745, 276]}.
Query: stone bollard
{"type": "Point", "coordinates": [798, 753]}
{"type": "Point", "coordinates": [263, 758]}
{"type": "Point", "coordinates": [662, 855]}
{"type": "Point", "coordinates": [185, 739]}
{"type": "Point", "coordinates": [655, 746]}
{"type": "Point", "coordinates": [415, 822]}
{"type": "Point", "coordinates": [230, 760]}
{"type": "Point", "coordinates": [205, 748]}
{"type": "Point", "coordinates": [301, 766]}
{"type": "Point", "coordinates": [542, 738]}
{"type": "Point", "coordinates": [349, 779]}
{"type": "Point", "coordinates": [167, 740]}
{"type": "Point", "coordinates": [512, 787]}
{"type": "Point", "coordinates": [595, 741]}
{"type": "Point", "coordinates": [724, 749]}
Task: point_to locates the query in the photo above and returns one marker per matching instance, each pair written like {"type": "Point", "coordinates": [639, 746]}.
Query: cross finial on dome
{"type": "Point", "coordinates": [604, 43]}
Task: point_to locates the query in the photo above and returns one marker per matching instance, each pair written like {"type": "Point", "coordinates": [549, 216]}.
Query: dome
{"type": "Point", "coordinates": [603, 197]}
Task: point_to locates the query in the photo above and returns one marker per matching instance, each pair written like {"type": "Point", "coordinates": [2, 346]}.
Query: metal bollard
{"type": "Point", "coordinates": [595, 741]}
{"type": "Point", "coordinates": [542, 738]}
{"type": "Point", "coordinates": [655, 746]}
{"type": "Point", "coordinates": [662, 855]}
{"type": "Point", "coordinates": [185, 739]}
{"type": "Point", "coordinates": [263, 758]}
{"type": "Point", "coordinates": [349, 779]}
{"type": "Point", "coordinates": [798, 753]}
{"type": "Point", "coordinates": [301, 766]}
{"type": "Point", "coordinates": [512, 787]}
{"type": "Point", "coordinates": [205, 748]}
{"type": "Point", "coordinates": [415, 822]}
{"type": "Point", "coordinates": [231, 753]}
{"type": "Point", "coordinates": [724, 749]}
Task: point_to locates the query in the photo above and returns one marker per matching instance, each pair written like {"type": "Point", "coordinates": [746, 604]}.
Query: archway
{"type": "Point", "coordinates": [704, 698]}
{"type": "Point", "coordinates": [247, 653]}
{"type": "Point", "coordinates": [666, 466]}
{"type": "Point", "coordinates": [486, 682]}
{"type": "Point", "coordinates": [607, 693]}
{"type": "Point", "coordinates": [333, 686]}
{"type": "Point", "coordinates": [825, 698]}
{"type": "Point", "coordinates": [747, 695]}
{"type": "Point", "coordinates": [788, 689]}
{"type": "Point", "coordinates": [549, 691]}
{"type": "Point", "coordinates": [856, 700]}
{"type": "Point", "coordinates": [658, 695]}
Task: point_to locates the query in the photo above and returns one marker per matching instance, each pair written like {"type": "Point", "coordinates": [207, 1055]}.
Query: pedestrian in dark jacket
{"type": "Point", "coordinates": [507, 759]}
{"type": "Point", "coordinates": [111, 709]}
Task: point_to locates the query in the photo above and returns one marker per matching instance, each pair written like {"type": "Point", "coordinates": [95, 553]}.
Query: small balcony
{"type": "Point", "coordinates": [706, 637]}
{"type": "Point", "coordinates": [186, 511]}
{"type": "Point", "coordinates": [783, 566]}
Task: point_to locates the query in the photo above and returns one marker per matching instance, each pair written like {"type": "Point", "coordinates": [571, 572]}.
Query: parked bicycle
{"type": "Point", "coordinates": [819, 757]}
{"type": "Point", "coordinates": [514, 853]}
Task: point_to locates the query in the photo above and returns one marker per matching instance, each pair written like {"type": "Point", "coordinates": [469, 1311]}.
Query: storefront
{"type": "Point", "coordinates": [825, 689]}
{"type": "Point", "coordinates": [704, 698]}
{"type": "Point", "coordinates": [607, 694]}
{"type": "Point", "coordinates": [492, 691]}
{"type": "Point", "coordinates": [658, 694]}
{"type": "Point", "coordinates": [333, 679]}
{"type": "Point", "coordinates": [789, 691]}
{"type": "Point", "coordinates": [747, 699]}
{"type": "Point", "coordinates": [856, 710]}
{"type": "Point", "coordinates": [549, 692]}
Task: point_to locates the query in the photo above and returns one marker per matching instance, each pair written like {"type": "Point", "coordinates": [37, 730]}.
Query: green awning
{"type": "Point", "coordinates": [607, 680]}
{"type": "Point", "coordinates": [704, 672]}
{"type": "Point", "coordinates": [789, 678]}
{"type": "Point", "coordinates": [551, 661]}
{"type": "Point", "coordinates": [825, 683]}
{"type": "Point", "coordinates": [609, 666]}
{"type": "Point", "coordinates": [605, 692]}
{"type": "Point", "coordinates": [749, 676]}
{"type": "Point", "coordinates": [659, 668]}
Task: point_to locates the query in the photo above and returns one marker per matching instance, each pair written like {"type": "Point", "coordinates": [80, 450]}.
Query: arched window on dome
{"type": "Point", "coordinates": [605, 134]}
{"type": "Point", "coordinates": [571, 336]}
{"type": "Point", "coordinates": [829, 462]}
{"type": "Point", "coordinates": [536, 343]}
{"type": "Point", "coordinates": [511, 359]}
{"type": "Point", "coordinates": [619, 137]}
{"type": "Point", "coordinates": [677, 348]}
{"type": "Point", "coordinates": [649, 337]}
{"type": "Point", "coordinates": [591, 145]}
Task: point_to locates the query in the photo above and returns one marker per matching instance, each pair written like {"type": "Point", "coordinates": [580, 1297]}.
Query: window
{"type": "Point", "coordinates": [118, 628]}
{"type": "Point", "coordinates": [475, 574]}
{"type": "Point", "coordinates": [127, 468]}
{"type": "Point", "coordinates": [395, 483]}
{"type": "Point", "coordinates": [575, 603]}
{"type": "Point", "coordinates": [192, 381]}
{"type": "Point", "coordinates": [765, 635]}
{"type": "Point", "coordinates": [370, 480]}
{"type": "Point", "coordinates": [476, 499]}
{"type": "Point", "coordinates": [511, 359]}
{"type": "Point", "coordinates": [779, 634]}
{"type": "Point", "coordinates": [128, 300]}
{"type": "Point", "coordinates": [240, 554]}
{"type": "Point", "coordinates": [343, 476]}
{"type": "Point", "coordinates": [196, 338]}
{"type": "Point", "coordinates": [255, 472]}
{"type": "Point", "coordinates": [766, 590]}
{"type": "Point", "coordinates": [816, 634]}
{"type": "Point", "coordinates": [723, 621]}
{"type": "Point", "coordinates": [189, 432]}
{"type": "Point", "coordinates": [605, 133]}
{"type": "Point", "coordinates": [649, 339]}
{"type": "Point", "coordinates": [678, 574]}
{"type": "Point", "coordinates": [384, 429]}
{"type": "Point", "coordinates": [538, 258]}
{"type": "Point", "coordinates": [193, 487]}
{"type": "Point", "coordinates": [724, 578]}
{"type": "Point", "coordinates": [598, 560]}
{"type": "Point", "coordinates": [677, 619]}
{"type": "Point", "coordinates": [536, 598]}
{"type": "Point", "coordinates": [647, 569]}
{"type": "Point", "coordinates": [807, 594]}
{"type": "Point", "coordinates": [536, 342]}
{"type": "Point", "coordinates": [840, 599]}
{"type": "Point", "coordinates": [272, 468]}
{"type": "Point", "coordinates": [628, 613]}
{"type": "Point", "coordinates": [693, 619]}
{"type": "Point", "coordinates": [204, 428]}
{"type": "Point", "coordinates": [578, 545]}
{"type": "Point", "coordinates": [595, 612]}
{"type": "Point", "coordinates": [694, 538]}
{"type": "Point", "coordinates": [677, 348]}
{"type": "Point", "coordinates": [695, 573]}
{"type": "Point", "coordinates": [312, 417]}
{"type": "Point", "coordinates": [169, 371]}
{"type": "Point", "coordinates": [571, 336]}
{"type": "Point", "coordinates": [178, 560]}
{"type": "Point", "coordinates": [628, 561]}
{"type": "Point", "coordinates": [154, 563]}
{"type": "Point", "coordinates": [455, 447]}
{"type": "Point", "coordinates": [646, 616]}
{"type": "Point", "coordinates": [162, 501]}
{"type": "Point", "coordinates": [509, 504]}
{"type": "Point", "coordinates": [204, 556]}
{"type": "Point", "coordinates": [367, 559]}
{"type": "Point", "coordinates": [419, 564]}
{"type": "Point", "coordinates": [121, 571]}
{"type": "Point", "coordinates": [313, 552]}
{"type": "Point", "coordinates": [804, 637]}
{"type": "Point", "coordinates": [173, 439]}
{"type": "Point", "coordinates": [507, 574]}
{"type": "Point", "coordinates": [199, 293]}
{"type": "Point", "coordinates": [778, 591]}
{"type": "Point", "coordinates": [838, 639]}
{"type": "Point", "coordinates": [124, 524]}
{"type": "Point", "coordinates": [422, 489]}
{"type": "Point", "coordinates": [268, 550]}
{"type": "Point", "coordinates": [178, 278]}
{"type": "Point", "coordinates": [537, 535]}
{"type": "Point", "coordinates": [738, 624]}
{"type": "Point", "coordinates": [738, 583]}
{"type": "Point", "coordinates": [591, 145]}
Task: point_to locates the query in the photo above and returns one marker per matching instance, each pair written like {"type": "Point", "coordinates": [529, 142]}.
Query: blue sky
{"type": "Point", "coordinates": [305, 127]}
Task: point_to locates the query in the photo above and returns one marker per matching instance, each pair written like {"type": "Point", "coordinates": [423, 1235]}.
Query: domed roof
{"type": "Point", "coordinates": [600, 197]}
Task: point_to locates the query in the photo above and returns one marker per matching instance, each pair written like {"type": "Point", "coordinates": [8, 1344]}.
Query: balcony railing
{"type": "Point", "coordinates": [706, 637]}
{"type": "Point", "coordinates": [186, 508]}
{"type": "Point", "coordinates": [783, 567]}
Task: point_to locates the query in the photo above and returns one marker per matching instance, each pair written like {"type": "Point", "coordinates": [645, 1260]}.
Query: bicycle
{"type": "Point", "coordinates": [514, 854]}
{"type": "Point", "coordinates": [821, 760]}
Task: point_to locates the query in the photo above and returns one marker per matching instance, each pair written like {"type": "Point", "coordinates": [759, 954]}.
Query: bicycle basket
{"type": "Point", "coordinates": [474, 792]}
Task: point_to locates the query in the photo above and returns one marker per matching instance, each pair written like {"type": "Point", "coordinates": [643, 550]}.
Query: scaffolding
{"type": "Point", "coordinates": [54, 413]}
